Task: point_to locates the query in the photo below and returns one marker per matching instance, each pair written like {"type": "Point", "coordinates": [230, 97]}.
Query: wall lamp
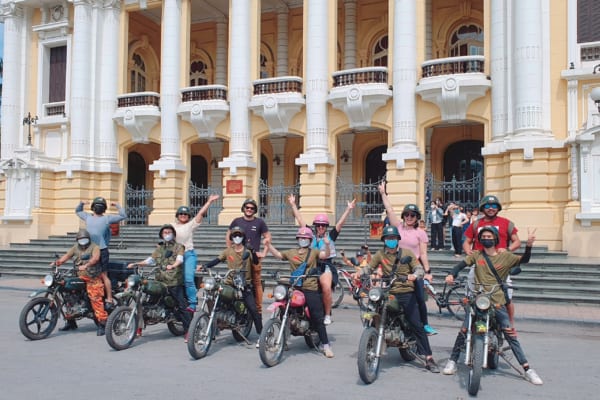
{"type": "Point", "coordinates": [345, 157]}
{"type": "Point", "coordinates": [277, 159]}
{"type": "Point", "coordinates": [29, 120]}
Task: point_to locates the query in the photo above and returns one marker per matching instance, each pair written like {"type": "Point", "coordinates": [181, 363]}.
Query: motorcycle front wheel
{"type": "Point", "coordinates": [477, 366]}
{"type": "Point", "coordinates": [244, 326]}
{"type": "Point", "coordinates": [368, 362]}
{"type": "Point", "coordinates": [38, 318]}
{"type": "Point", "coordinates": [269, 351]}
{"type": "Point", "coordinates": [121, 327]}
{"type": "Point", "coordinates": [200, 336]}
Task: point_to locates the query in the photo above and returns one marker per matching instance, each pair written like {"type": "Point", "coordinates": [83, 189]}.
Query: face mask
{"type": "Point", "coordinates": [83, 242]}
{"type": "Point", "coordinates": [488, 243]}
{"type": "Point", "coordinates": [168, 237]}
{"type": "Point", "coordinates": [238, 239]}
{"type": "Point", "coordinates": [303, 242]}
{"type": "Point", "coordinates": [391, 243]}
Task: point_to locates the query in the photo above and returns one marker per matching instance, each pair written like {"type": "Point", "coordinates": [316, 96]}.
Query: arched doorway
{"type": "Point", "coordinates": [199, 171]}
{"type": "Point", "coordinates": [463, 172]}
{"type": "Point", "coordinates": [136, 170]}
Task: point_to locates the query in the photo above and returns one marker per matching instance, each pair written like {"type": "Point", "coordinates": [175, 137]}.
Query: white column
{"type": "Point", "coordinates": [404, 80]}
{"type": "Point", "coordinates": [240, 85]}
{"type": "Point", "coordinates": [498, 69]}
{"type": "Point", "coordinates": [527, 66]}
{"type": "Point", "coordinates": [282, 41]}
{"type": "Point", "coordinates": [81, 81]}
{"type": "Point", "coordinates": [12, 89]}
{"type": "Point", "coordinates": [109, 71]}
{"type": "Point", "coordinates": [349, 34]}
{"type": "Point", "coordinates": [316, 85]}
{"type": "Point", "coordinates": [221, 56]}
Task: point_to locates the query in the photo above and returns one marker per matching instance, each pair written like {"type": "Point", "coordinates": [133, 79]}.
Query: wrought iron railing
{"type": "Point", "coordinates": [467, 192]}
{"type": "Point", "coordinates": [368, 200]}
{"type": "Point", "coordinates": [138, 205]}
{"type": "Point", "coordinates": [273, 206]}
{"type": "Point", "coordinates": [198, 196]}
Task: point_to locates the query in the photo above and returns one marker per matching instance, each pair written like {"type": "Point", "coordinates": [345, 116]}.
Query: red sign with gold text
{"type": "Point", "coordinates": [234, 186]}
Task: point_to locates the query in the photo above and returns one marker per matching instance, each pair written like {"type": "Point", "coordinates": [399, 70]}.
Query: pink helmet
{"type": "Point", "coordinates": [304, 233]}
{"type": "Point", "coordinates": [321, 219]}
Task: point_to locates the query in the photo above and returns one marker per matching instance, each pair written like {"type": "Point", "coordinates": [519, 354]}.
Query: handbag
{"type": "Point", "coordinates": [295, 278]}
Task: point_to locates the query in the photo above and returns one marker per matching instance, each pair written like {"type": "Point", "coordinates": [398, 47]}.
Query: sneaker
{"type": "Point", "coordinates": [432, 366]}
{"type": "Point", "coordinates": [328, 352]}
{"type": "Point", "coordinates": [258, 343]}
{"type": "Point", "coordinates": [138, 333]}
{"type": "Point", "coordinates": [191, 309]}
{"type": "Point", "coordinates": [100, 331]}
{"type": "Point", "coordinates": [533, 377]}
{"type": "Point", "coordinates": [327, 320]}
{"type": "Point", "coordinates": [450, 368]}
{"type": "Point", "coordinates": [186, 337]}
{"type": "Point", "coordinates": [429, 330]}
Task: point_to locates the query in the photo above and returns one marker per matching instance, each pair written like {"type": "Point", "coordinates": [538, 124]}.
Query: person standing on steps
{"type": "Point", "coordinates": [98, 226]}
{"type": "Point", "coordinates": [185, 226]}
{"type": "Point", "coordinates": [328, 277]}
{"type": "Point", "coordinates": [414, 239]}
{"type": "Point", "coordinates": [508, 238]}
{"type": "Point", "coordinates": [256, 230]}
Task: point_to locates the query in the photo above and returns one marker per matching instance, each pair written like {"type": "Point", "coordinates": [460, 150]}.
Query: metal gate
{"type": "Point", "coordinates": [273, 205]}
{"type": "Point", "coordinates": [198, 197]}
{"type": "Point", "coordinates": [466, 192]}
{"type": "Point", "coordinates": [368, 200]}
{"type": "Point", "coordinates": [138, 205]}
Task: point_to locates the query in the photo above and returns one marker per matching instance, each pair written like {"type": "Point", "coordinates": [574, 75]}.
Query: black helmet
{"type": "Point", "coordinates": [250, 201]}
{"type": "Point", "coordinates": [167, 226]}
{"type": "Point", "coordinates": [82, 233]}
{"type": "Point", "coordinates": [492, 230]}
{"type": "Point", "coordinates": [183, 210]}
{"type": "Point", "coordinates": [412, 208]}
{"type": "Point", "coordinates": [99, 205]}
{"type": "Point", "coordinates": [390, 231]}
{"type": "Point", "coordinates": [490, 199]}
{"type": "Point", "coordinates": [236, 231]}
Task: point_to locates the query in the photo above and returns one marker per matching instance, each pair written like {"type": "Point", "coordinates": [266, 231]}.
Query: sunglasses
{"type": "Point", "coordinates": [320, 226]}
{"type": "Point", "coordinates": [488, 206]}
{"type": "Point", "coordinates": [179, 215]}
{"type": "Point", "coordinates": [411, 215]}
{"type": "Point", "coordinates": [237, 235]}
{"type": "Point", "coordinates": [250, 208]}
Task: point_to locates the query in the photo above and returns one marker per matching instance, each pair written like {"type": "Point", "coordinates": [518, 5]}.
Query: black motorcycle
{"type": "Point", "coordinates": [223, 308]}
{"type": "Point", "coordinates": [385, 325]}
{"type": "Point", "coordinates": [64, 293]}
{"type": "Point", "coordinates": [145, 301]}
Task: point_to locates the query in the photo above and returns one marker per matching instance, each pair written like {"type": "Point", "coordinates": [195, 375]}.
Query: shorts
{"type": "Point", "coordinates": [104, 256]}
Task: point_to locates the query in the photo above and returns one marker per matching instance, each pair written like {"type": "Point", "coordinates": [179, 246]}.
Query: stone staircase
{"type": "Point", "coordinates": [549, 277]}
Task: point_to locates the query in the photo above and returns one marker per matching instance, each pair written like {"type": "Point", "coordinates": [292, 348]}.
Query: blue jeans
{"type": "Point", "coordinates": [189, 274]}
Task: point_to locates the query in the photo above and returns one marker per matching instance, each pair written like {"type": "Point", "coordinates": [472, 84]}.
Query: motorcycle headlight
{"type": "Point", "coordinates": [279, 292]}
{"type": "Point", "coordinates": [133, 281]}
{"type": "Point", "coordinates": [375, 294]}
{"type": "Point", "coordinates": [48, 280]}
{"type": "Point", "coordinates": [483, 302]}
{"type": "Point", "coordinates": [209, 283]}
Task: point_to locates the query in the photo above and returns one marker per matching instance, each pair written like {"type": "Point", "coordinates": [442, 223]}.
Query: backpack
{"type": "Point", "coordinates": [295, 279]}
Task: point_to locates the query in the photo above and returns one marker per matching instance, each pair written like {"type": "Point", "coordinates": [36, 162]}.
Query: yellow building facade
{"type": "Point", "coordinates": [153, 104]}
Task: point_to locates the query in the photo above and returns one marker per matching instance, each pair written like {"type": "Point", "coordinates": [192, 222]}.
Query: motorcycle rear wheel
{"type": "Point", "coordinates": [409, 353]}
{"type": "Point", "coordinates": [368, 362]}
{"type": "Point", "coordinates": [312, 340]}
{"type": "Point", "coordinates": [200, 336]}
{"type": "Point", "coordinates": [245, 327]}
{"type": "Point", "coordinates": [176, 328]}
{"type": "Point", "coordinates": [493, 352]}
{"type": "Point", "coordinates": [118, 335]}
{"type": "Point", "coordinates": [270, 352]}
{"type": "Point", "coordinates": [38, 318]}
{"type": "Point", "coordinates": [477, 366]}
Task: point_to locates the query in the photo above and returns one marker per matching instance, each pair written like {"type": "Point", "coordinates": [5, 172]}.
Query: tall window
{"type": "Point", "coordinates": [58, 74]}
{"type": "Point", "coordinates": [198, 75]}
{"type": "Point", "coordinates": [467, 41]}
{"type": "Point", "coordinates": [138, 74]}
{"type": "Point", "coordinates": [380, 52]}
{"type": "Point", "coordinates": [588, 21]}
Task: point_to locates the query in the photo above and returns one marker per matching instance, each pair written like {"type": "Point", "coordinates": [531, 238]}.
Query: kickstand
{"type": "Point", "coordinates": [508, 360]}
{"type": "Point", "coordinates": [243, 337]}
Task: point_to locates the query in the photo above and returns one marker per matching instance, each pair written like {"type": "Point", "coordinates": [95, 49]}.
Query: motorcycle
{"type": "Point", "coordinates": [145, 301]}
{"type": "Point", "coordinates": [289, 316]}
{"type": "Point", "coordinates": [223, 308]}
{"type": "Point", "coordinates": [384, 325]}
{"type": "Point", "coordinates": [484, 339]}
{"type": "Point", "coordinates": [64, 294]}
